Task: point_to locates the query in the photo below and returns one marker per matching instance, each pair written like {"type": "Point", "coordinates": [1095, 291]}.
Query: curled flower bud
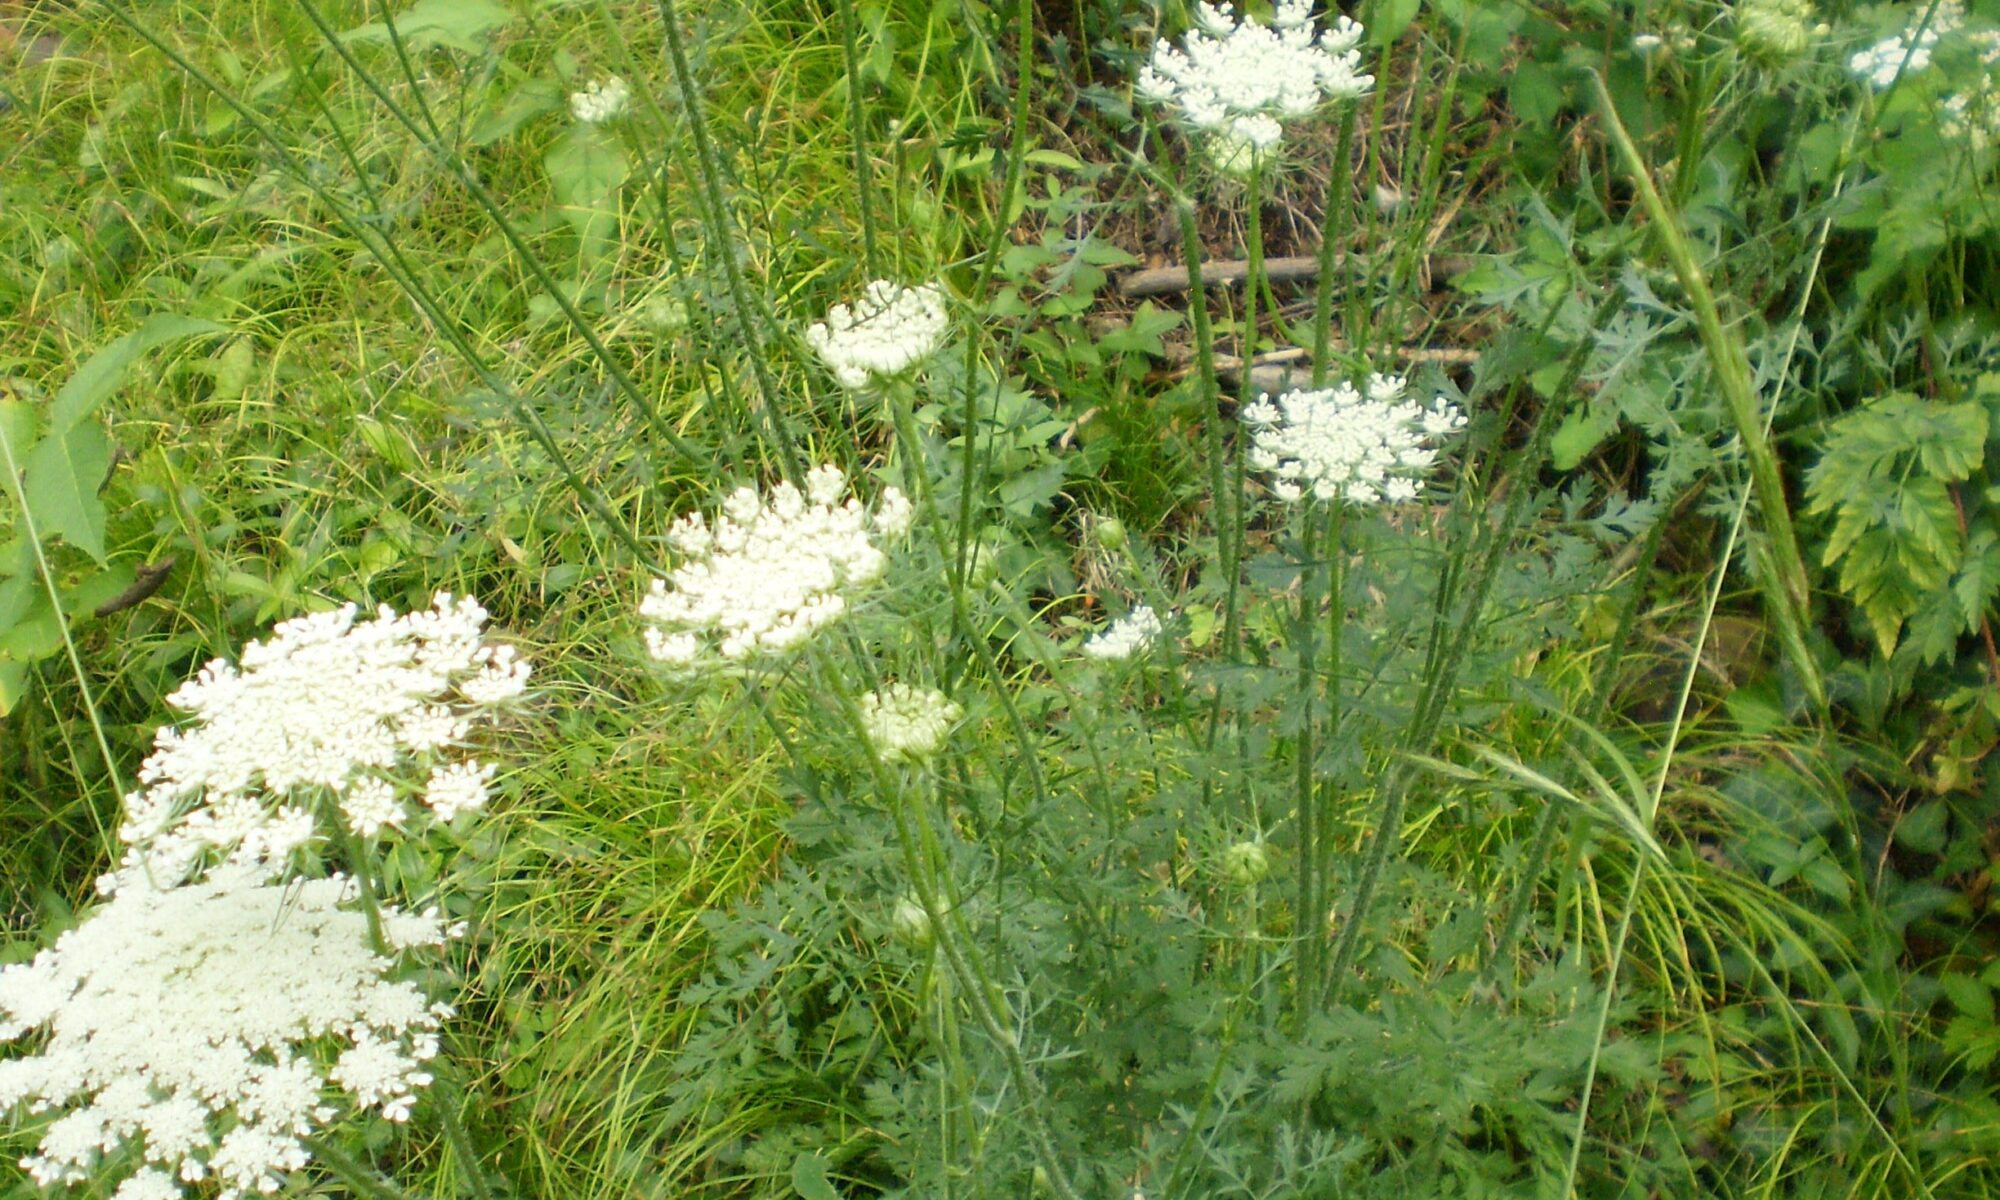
{"type": "Point", "coordinates": [1245, 864]}
{"type": "Point", "coordinates": [906, 724]}
{"type": "Point", "coordinates": [910, 925]}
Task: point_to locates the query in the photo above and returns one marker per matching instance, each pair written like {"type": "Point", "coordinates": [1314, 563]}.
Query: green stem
{"type": "Point", "coordinates": [1309, 921]}
{"type": "Point", "coordinates": [1441, 673]}
{"type": "Point", "coordinates": [715, 215]}
{"type": "Point", "coordinates": [1787, 591]}
{"type": "Point", "coordinates": [1336, 630]}
{"type": "Point", "coordinates": [925, 861]}
{"type": "Point", "coordinates": [996, 244]}
{"type": "Point", "coordinates": [857, 133]}
{"type": "Point", "coordinates": [357, 1175]}
{"type": "Point", "coordinates": [1332, 234]}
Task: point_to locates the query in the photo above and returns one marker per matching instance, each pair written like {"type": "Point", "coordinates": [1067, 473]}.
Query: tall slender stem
{"type": "Point", "coordinates": [857, 133]}
{"type": "Point", "coordinates": [715, 215]}
{"type": "Point", "coordinates": [1307, 931]}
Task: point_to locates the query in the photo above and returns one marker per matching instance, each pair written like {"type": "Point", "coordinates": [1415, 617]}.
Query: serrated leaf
{"type": "Point", "coordinates": [62, 477]}
{"type": "Point", "coordinates": [1968, 996]}
{"type": "Point", "coordinates": [1978, 579]}
{"type": "Point", "coordinates": [102, 372]}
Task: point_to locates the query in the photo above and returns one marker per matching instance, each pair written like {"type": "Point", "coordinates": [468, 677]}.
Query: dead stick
{"type": "Point", "coordinates": [1159, 281]}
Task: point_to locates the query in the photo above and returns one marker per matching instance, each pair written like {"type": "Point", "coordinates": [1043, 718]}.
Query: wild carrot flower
{"type": "Point", "coordinates": [767, 573]}
{"type": "Point", "coordinates": [329, 708]}
{"type": "Point", "coordinates": [206, 1027]}
{"type": "Point", "coordinates": [907, 724]}
{"type": "Point", "coordinates": [1128, 635]}
{"type": "Point", "coordinates": [890, 330]}
{"type": "Point", "coordinates": [1341, 444]}
{"type": "Point", "coordinates": [1241, 80]}
{"type": "Point", "coordinates": [1973, 114]}
{"type": "Point", "coordinates": [600, 101]}
{"type": "Point", "coordinates": [1880, 63]}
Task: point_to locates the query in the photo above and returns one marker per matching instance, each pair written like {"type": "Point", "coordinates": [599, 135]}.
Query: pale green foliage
{"type": "Point", "coordinates": [1888, 479]}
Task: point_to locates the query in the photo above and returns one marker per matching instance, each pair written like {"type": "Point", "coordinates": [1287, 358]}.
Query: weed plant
{"type": "Point", "coordinates": [1297, 733]}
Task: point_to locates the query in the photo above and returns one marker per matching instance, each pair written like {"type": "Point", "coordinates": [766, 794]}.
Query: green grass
{"type": "Point", "coordinates": [1773, 1030]}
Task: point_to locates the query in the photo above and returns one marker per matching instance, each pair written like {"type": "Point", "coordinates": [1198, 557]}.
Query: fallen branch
{"type": "Point", "coordinates": [1159, 281]}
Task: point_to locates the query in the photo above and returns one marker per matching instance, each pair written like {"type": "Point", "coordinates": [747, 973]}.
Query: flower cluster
{"type": "Point", "coordinates": [891, 329]}
{"type": "Point", "coordinates": [907, 724]}
{"type": "Point", "coordinates": [1880, 63]}
{"type": "Point", "coordinates": [768, 572]}
{"type": "Point", "coordinates": [329, 706]}
{"type": "Point", "coordinates": [204, 1025]}
{"type": "Point", "coordinates": [601, 101]}
{"type": "Point", "coordinates": [1241, 80]}
{"type": "Point", "coordinates": [1339, 443]}
{"type": "Point", "coordinates": [1128, 635]}
{"type": "Point", "coordinates": [1974, 114]}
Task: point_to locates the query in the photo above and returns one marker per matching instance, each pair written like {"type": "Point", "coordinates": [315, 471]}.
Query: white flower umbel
{"type": "Point", "coordinates": [330, 714]}
{"type": "Point", "coordinates": [1341, 444]}
{"type": "Point", "coordinates": [907, 724]}
{"type": "Point", "coordinates": [210, 1026]}
{"type": "Point", "coordinates": [767, 573]}
{"type": "Point", "coordinates": [890, 330]}
{"type": "Point", "coordinates": [1880, 63]}
{"type": "Point", "coordinates": [1973, 114]}
{"type": "Point", "coordinates": [1243, 79]}
{"type": "Point", "coordinates": [1130, 634]}
{"type": "Point", "coordinates": [600, 101]}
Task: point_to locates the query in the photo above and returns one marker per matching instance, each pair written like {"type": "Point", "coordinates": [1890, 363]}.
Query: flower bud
{"type": "Point", "coordinates": [1773, 31]}
{"type": "Point", "coordinates": [1245, 864]}
{"type": "Point", "coordinates": [910, 925]}
{"type": "Point", "coordinates": [1109, 532]}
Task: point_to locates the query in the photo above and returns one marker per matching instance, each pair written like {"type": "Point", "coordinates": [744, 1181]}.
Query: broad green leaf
{"type": "Point", "coordinates": [463, 25]}
{"type": "Point", "coordinates": [586, 168]}
{"type": "Point", "coordinates": [17, 441]}
{"type": "Point", "coordinates": [63, 475]}
{"type": "Point", "coordinates": [100, 375]}
{"type": "Point", "coordinates": [1579, 434]}
{"type": "Point", "coordinates": [13, 685]}
{"type": "Point", "coordinates": [1387, 19]}
{"type": "Point", "coordinates": [1922, 829]}
{"type": "Point", "coordinates": [809, 1178]}
{"type": "Point", "coordinates": [1968, 996]}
